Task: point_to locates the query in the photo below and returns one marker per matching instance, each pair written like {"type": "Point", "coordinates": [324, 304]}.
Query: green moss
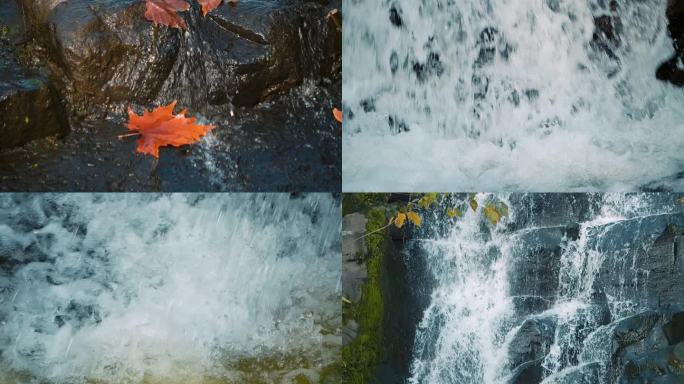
{"type": "Point", "coordinates": [361, 202]}
{"type": "Point", "coordinates": [362, 354]}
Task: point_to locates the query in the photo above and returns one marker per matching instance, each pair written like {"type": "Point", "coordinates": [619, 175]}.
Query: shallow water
{"type": "Point", "coordinates": [504, 95]}
{"type": "Point", "coordinates": [168, 288]}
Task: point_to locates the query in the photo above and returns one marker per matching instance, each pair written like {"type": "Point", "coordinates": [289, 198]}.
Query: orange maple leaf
{"type": "Point", "coordinates": [161, 127]}
{"type": "Point", "coordinates": [337, 114]}
{"type": "Point", "coordinates": [208, 5]}
{"type": "Point", "coordinates": [164, 12]}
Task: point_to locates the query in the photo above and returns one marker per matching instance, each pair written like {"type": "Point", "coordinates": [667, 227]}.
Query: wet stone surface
{"type": "Point", "coordinates": [289, 144]}
{"type": "Point", "coordinates": [267, 73]}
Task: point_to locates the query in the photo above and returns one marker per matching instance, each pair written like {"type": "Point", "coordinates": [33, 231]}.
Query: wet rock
{"type": "Point", "coordinates": [656, 271]}
{"type": "Point", "coordinates": [532, 340]}
{"type": "Point", "coordinates": [551, 210]}
{"type": "Point", "coordinates": [431, 68]}
{"type": "Point", "coordinates": [590, 373]}
{"type": "Point", "coordinates": [633, 329]}
{"type": "Point", "coordinates": [672, 70]}
{"type": "Point", "coordinates": [661, 366]}
{"type": "Point", "coordinates": [535, 267]}
{"type": "Point", "coordinates": [354, 271]}
{"type": "Point", "coordinates": [674, 329]}
{"type": "Point", "coordinates": [395, 16]}
{"type": "Point", "coordinates": [396, 125]}
{"type": "Point", "coordinates": [526, 305]}
{"type": "Point", "coordinates": [240, 54]}
{"type": "Point", "coordinates": [530, 372]}
{"type": "Point", "coordinates": [29, 106]}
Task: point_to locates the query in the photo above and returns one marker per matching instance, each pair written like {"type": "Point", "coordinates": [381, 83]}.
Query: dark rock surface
{"type": "Point", "coordinates": [275, 65]}
{"type": "Point", "coordinates": [406, 287]}
{"type": "Point", "coordinates": [672, 70]}
{"type": "Point", "coordinates": [29, 106]}
{"type": "Point", "coordinates": [282, 145]}
{"type": "Point", "coordinates": [532, 341]}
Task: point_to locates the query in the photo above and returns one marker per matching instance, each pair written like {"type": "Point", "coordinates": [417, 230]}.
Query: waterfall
{"type": "Point", "coordinates": [543, 292]}
{"type": "Point", "coordinates": [130, 288]}
{"type": "Point", "coordinates": [507, 95]}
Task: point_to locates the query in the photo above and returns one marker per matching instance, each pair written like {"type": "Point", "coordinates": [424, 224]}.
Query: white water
{"type": "Point", "coordinates": [590, 122]}
{"type": "Point", "coordinates": [465, 331]}
{"type": "Point", "coordinates": [121, 287]}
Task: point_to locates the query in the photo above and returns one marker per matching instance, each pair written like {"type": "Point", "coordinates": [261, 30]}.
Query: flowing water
{"type": "Point", "coordinates": [176, 288]}
{"type": "Point", "coordinates": [506, 95]}
{"type": "Point", "coordinates": [544, 264]}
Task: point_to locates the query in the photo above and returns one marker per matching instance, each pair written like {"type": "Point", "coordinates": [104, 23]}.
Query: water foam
{"type": "Point", "coordinates": [503, 95]}
{"type": "Point", "coordinates": [123, 287]}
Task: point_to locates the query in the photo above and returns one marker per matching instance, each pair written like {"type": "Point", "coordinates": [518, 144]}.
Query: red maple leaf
{"type": "Point", "coordinates": [161, 127]}
{"type": "Point", "coordinates": [165, 12]}
{"type": "Point", "coordinates": [337, 114]}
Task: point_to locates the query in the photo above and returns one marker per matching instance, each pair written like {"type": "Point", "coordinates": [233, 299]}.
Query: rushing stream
{"type": "Point", "coordinates": [507, 95]}
{"type": "Point", "coordinates": [567, 289]}
{"type": "Point", "coordinates": [132, 288]}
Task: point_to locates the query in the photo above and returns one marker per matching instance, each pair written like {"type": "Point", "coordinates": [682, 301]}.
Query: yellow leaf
{"type": "Point", "coordinates": [413, 217]}
{"type": "Point", "coordinates": [454, 212]}
{"type": "Point", "coordinates": [427, 200]}
{"type": "Point", "coordinates": [680, 200]}
{"type": "Point", "coordinates": [495, 211]}
{"type": "Point", "coordinates": [491, 214]}
{"type": "Point", "coordinates": [399, 221]}
{"type": "Point", "coordinates": [473, 204]}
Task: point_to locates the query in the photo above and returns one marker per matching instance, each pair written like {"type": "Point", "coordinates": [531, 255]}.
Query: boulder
{"type": "Point", "coordinates": [530, 372]}
{"type": "Point", "coordinates": [663, 366]}
{"type": "Point", "coordinates": [239, 54]}
{"type": "Point", "coordinates": [531, 341]}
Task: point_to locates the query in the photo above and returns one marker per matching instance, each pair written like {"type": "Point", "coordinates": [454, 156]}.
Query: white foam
{"type": "Point", "coordinates": [584, 131]}
{"type": "Point", "coordinates": [115, 287]}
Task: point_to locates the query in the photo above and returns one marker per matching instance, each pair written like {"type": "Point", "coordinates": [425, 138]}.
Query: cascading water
{"type": "Point", "coordinates": [168, 288]}
{"type": "Point", "coordinates": [566, 289]}
{"type": "Point", "coordinates": [506, 95]}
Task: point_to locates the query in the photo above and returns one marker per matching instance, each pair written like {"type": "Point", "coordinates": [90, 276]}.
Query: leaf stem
{"type": "Point", "coordinates": [129, 135]}
{"type": "Point", "coordinates": [377, 230]}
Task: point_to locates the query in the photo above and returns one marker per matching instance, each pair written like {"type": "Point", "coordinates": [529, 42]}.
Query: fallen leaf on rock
{"type": "Point", "coordinates": [161, 127]}
{"type": "Point", "coordinates": [338, 114]}
{"type": "Point", "coordinates": [209, 5]}
{"type": "Point", "coordinates": [165, 12]}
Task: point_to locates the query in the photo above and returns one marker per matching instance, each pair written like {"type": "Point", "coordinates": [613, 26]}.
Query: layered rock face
{"type": "Point", "coordinates": [570, 288]}
{"type": "Point", "coordinates": [624, 284]}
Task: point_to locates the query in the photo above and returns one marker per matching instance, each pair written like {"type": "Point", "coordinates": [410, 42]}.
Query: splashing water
{"type": "Point", "coordinates": [128, 288]}
{"type": "Point", "coordinates": [483, 273]}
{"type": "Point", "coordinates": [504, 95]}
